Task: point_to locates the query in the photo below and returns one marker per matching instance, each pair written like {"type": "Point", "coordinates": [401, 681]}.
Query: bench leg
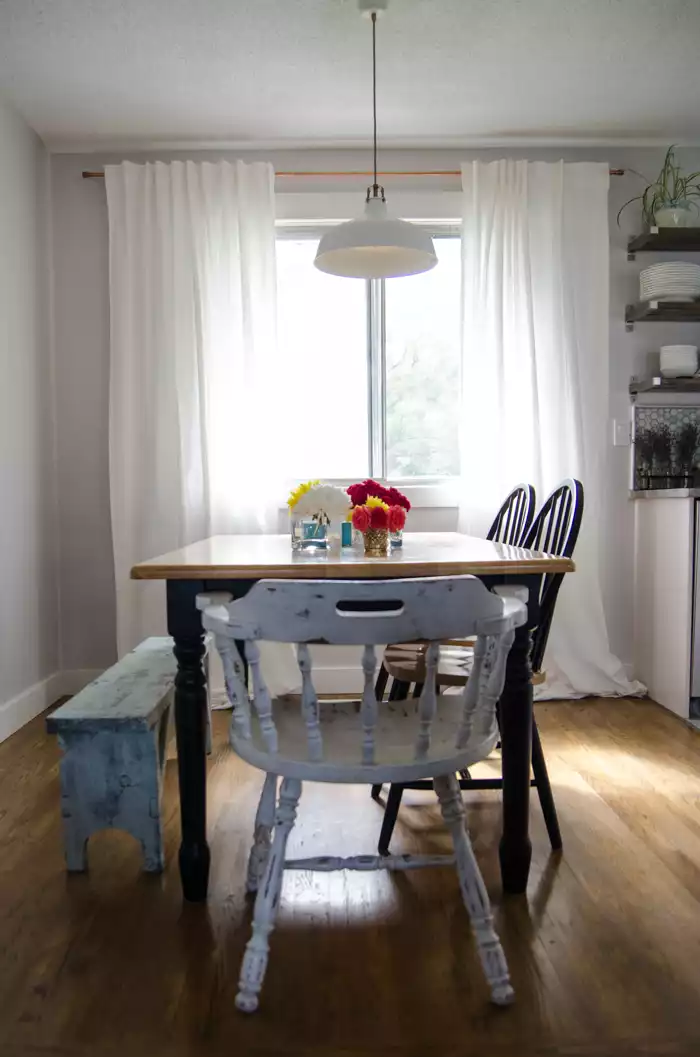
{"type": "Point", "coordinates": [74, 847]}
{"type": "Point", "coordinates": [112, 780]}
{"type": "Point", "coordinates": [152, 845]}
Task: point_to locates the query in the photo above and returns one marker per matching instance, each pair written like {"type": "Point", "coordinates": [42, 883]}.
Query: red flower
{"type": "Point", "coordinates": [360, 518]}
{"type": "Point", "coordinates": [396, 498]}
{"type": "Point", "coordinates": [358, 494]}
{"type": "Point", "coordinates": [397, 518]}
{"type": "Point", "coordinates": [376, 489]}
{"type": "Point", "coordinates": [379, 518]}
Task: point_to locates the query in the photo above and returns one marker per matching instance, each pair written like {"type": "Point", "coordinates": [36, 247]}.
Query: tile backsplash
{"type": "Point", "coordinates": [666, 446]}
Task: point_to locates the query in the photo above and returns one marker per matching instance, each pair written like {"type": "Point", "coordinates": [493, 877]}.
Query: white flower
{"type": "Point", "coordinates": [325, 502]}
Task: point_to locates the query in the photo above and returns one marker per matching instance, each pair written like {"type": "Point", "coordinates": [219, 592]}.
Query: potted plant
{"type": "Point", "coordinates": [668, 202]}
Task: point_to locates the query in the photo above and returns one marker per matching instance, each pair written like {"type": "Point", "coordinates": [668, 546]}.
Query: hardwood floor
{"type": "Point", "coordinates": [604, 952]}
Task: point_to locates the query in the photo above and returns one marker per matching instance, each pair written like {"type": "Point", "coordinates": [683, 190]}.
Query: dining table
{"type": "Point", "coordinates": [233, 563]}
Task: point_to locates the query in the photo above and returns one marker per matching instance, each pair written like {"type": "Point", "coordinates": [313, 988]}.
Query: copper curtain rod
{"type": "Point", "coordinates": [98, 175]}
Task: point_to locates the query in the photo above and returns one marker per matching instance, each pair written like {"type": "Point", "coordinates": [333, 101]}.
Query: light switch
{"type": "Point", "coordinates": [622, 431]}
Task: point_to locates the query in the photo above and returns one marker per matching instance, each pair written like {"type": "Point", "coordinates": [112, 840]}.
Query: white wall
{"type": "Point", "coordinates": [29, 646]}
{"type": "Point", "coordinates": [82, 354]}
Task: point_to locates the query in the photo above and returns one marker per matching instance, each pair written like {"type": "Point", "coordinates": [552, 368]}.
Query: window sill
{"type": "Point", "coordinates": [422, 493]}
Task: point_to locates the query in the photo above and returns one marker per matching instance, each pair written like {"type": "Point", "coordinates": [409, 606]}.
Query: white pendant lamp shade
{"type": "Point", "coordinates": [377, 246]}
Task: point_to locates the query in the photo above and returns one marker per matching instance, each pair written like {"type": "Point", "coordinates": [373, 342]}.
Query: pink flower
{"type": "Point", "coordinates": [360, 518]}
{"type": "Point", "coordinates": [379, 518]}
{"type": "Point", "coordinates": [397, 518]}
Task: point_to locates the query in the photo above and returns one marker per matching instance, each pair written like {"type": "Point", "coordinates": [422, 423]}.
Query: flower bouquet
{"type": "Point", "coordinates": [316, 512]}
{"type": "Point", "coordinates": [370, 496]}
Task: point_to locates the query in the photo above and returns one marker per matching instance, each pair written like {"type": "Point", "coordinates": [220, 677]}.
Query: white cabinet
{"type": "Point", "coordinates": [664, 542]}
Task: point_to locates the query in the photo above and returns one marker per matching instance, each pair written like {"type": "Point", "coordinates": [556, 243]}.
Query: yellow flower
{"type": "Point", "coordinates": [298, 492]}
{"type": "Point", "coordinates": [372, 502]}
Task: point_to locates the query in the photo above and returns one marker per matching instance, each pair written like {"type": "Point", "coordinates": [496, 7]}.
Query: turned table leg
{"type": "Point", "coordinates": [516, 734]}
{"type": "Point", "coordinates": [184, 624]}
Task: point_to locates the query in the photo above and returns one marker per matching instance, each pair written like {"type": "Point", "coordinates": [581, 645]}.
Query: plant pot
{"type": "Point", "coordinates": [376, 543]}
{"type": "Point", "coordinates": [674, 215]}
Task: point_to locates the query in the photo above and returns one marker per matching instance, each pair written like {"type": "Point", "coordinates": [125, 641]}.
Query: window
{"type": "Point", "coordinates": [371, 371]}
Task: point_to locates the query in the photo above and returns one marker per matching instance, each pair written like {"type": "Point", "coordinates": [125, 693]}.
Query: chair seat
{"type": "Point", "coordinates": [396, 734]}
{"type": "Point", "coordinates": [405, 661]}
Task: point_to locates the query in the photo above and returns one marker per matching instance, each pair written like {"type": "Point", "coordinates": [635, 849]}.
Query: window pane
{"type": "Point", "coordinates": [423, 368]}
{"type": "Point", "coordinates": [322, 333]}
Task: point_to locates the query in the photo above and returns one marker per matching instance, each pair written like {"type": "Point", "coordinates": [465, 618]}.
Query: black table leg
{"type": "Point", "coordinates": [185, 626]}
{"type": "Point", "coordinates": [516, 733]}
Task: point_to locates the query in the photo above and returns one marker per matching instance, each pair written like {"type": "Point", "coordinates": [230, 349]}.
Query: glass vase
{"type": "Point", "coordinates": [307, 534]}
{"type": "Point", "coordinates": [334, 538]}
{"type": "Point", "coordinates": [396, 539]}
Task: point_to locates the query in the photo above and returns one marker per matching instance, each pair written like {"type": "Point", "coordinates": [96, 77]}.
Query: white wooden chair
{"type": "Point", "coordinates": [432, 737]}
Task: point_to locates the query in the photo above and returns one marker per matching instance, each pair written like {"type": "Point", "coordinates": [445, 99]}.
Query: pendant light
{"type": "Point", "coordinates": [377, 245]}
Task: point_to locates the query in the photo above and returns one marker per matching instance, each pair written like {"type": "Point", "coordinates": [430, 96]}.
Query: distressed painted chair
{"type": "Point", "coordinates": [431, 737]}
{"type": "Point", "coordinates": [554, 530]}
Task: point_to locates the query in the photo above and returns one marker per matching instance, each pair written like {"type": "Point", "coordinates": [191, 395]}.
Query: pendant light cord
{"type": "Point", "coordinates": [374, 95]}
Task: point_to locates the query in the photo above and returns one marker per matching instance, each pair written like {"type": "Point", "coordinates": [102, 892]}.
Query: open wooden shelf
{"type": "Point", "coordinates": [659, 384]}
{"type": "Point", "coordinates": [665, 240]}
{"type": "Point", "coordinates": [662, 312]}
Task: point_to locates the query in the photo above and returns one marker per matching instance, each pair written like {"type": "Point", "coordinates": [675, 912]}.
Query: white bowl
{"type": "Point", "coordinates": [678, 361]}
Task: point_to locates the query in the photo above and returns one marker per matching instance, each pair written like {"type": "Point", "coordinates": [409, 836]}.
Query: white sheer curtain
{"type": "Point", "coordinates": [535, 375]}
{"type": "Point", "coordinates": [193, 345]}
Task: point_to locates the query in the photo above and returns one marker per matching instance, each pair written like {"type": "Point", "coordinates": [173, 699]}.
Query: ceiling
{"type": "Point", "coordinates": [297, 72]}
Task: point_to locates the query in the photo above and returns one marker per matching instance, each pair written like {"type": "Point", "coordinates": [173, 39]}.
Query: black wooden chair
{"type": "Point", "coordinates": [510, 525]}
{"type": "Point", "coordinates": [512, 522]}
{"type": "Point", "coordinates": [555, 530]}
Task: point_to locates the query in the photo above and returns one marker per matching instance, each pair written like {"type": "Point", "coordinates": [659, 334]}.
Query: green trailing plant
{"type": "Point", "coordinates": [644, 446]}
{"type": "Point", "coordinates": [662, 443]}
{"type": "Point", "coordinates": [670, 188]}
{"type": "Point", "coordinates": [687, 444]}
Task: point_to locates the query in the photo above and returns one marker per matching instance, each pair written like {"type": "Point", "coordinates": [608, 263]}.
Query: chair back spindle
{"type": "Point", "coordinates": [309, 704]}
{"type": "Point", "coordinates": [261, 697]}
{"type": "Point", "coordinates": [470, 694]}
{"type": "Point", "coordinates": [235, 684]}
{"type": "Point", "coordinates": [369, 704]}
{"type": "Point", "coordinates": [428, 701]}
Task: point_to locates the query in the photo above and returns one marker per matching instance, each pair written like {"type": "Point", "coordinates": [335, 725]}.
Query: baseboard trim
{"type": "Point", "coordinates": [28, 704]}
{"type": "Point", "coordinates": [74, 680]}
{"type": "Point", "coordinates": [25, 706]}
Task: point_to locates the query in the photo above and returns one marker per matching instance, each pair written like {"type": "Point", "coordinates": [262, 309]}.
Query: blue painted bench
{"type": "Point", "coordinates": [113, 735]}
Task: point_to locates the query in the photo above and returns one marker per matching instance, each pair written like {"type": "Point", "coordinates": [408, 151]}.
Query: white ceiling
{"type": "Point", "coordinates": [297, 72]}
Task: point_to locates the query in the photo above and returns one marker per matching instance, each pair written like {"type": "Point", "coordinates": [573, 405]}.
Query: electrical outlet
{"type": "Point", "coordinates": [622, 433]}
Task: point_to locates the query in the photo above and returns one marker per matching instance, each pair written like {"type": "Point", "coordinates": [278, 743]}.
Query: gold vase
{"type": "Point", "coordinates": [376, 543]}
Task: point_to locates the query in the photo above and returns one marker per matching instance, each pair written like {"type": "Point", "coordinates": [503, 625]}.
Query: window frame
{"type": "Point", "coordinates": [427, 491]}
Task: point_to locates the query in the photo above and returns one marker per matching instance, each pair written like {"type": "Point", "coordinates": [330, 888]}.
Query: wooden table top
{"type": "Point", "coordinates": [422, 554]}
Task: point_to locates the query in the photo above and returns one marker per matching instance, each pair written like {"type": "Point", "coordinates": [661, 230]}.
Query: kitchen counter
{"type": "Point", "coordinates": [666, 493]}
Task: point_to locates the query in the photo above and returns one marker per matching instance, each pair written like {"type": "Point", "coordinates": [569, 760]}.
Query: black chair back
{"type": "Point", "coordinates": [555, 531]}
{"type": "Point", "coordinates": [512, 522]}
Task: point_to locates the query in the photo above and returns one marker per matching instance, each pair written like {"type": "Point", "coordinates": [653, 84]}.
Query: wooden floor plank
{"type": "Point", "coordinates": [604, 951]}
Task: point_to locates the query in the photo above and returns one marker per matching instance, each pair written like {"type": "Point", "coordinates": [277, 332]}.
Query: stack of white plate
{"type": "Point", "coordinates": [674, 281]}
